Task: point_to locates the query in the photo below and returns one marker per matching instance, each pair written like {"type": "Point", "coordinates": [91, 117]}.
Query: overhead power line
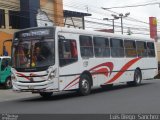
{"type": "Point", "coordinates": [127, 6]}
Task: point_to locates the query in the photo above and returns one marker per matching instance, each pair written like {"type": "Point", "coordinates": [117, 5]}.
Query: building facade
{"type": "Point", "coordinates": [20, 14]}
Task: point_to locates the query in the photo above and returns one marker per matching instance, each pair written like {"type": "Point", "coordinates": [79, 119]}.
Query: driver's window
{"type": "Point", "coordinates": [5, 63]}
{"type": "Point", "coordinates": [67, 51]}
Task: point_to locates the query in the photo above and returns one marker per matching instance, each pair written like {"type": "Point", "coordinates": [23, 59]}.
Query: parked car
{"type": "Point", "coordinates": [5, 71]}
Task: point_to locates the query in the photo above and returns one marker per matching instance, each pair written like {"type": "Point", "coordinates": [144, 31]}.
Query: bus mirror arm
{"type": "Point", "coordinates": [61, 37]}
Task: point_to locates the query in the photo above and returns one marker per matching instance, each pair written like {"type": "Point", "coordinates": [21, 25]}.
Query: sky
{"type": "Point", "coordinates": [140, 14]}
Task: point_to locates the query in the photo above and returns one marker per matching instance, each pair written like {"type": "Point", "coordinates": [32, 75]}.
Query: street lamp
{"type": "Point", "coordinates": [112, 21]}
{"type": "Point", "coordinates": [121, 16]}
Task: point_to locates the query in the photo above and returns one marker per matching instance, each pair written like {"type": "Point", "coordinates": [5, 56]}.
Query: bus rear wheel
{"type": "Point", "coordinates": [84, 85]}
{"type": "Point", "coordinates": [46, 94]}
{"type": "Point", "coordinates": [137, 78]}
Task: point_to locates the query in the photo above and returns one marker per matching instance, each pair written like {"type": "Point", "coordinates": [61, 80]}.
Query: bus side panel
{"type": "Point", "coordinates": [148, 67]}
{"type": "Point", "coordinates": [106, 70]}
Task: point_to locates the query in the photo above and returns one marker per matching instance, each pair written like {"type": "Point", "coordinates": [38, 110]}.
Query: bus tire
{"type": "Point", "coordinates": [8, 83]}
{"type": "Point", "coordinates": [84, 85]}
{"type": "Point", "coordinates": [46, 94]}
{"type": "Point", "coordinates": [137, 78]}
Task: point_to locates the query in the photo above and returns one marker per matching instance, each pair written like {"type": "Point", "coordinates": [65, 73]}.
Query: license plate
{"type": "Point", "coordinates": [30, 87]}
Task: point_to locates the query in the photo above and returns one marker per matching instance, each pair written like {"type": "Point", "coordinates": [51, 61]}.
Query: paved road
{"type": "Point", "coordinates": [119, 99]}
{"type": "Point", "coordinates": [8, 95]}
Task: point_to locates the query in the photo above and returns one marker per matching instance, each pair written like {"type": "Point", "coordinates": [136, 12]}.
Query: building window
{"type": "Point", "coordinates": [141, 49]}
{"type": "Point", "coordinates": [130, 48]}
{"type": "Point", "coordinates": [150, 49]}
{"type": "Point", "coordinates": [2, 18]}
{"type": "Point", "coordinates": [14, 19]}
{"type": "Point", "coordinates": [86, 46]}
{"type": "Point", "coordinates": [117, 49]}
{"type": "Point", "coordinates": [67, 51]}
{"type": "Point", "coordinates": [101, 47]}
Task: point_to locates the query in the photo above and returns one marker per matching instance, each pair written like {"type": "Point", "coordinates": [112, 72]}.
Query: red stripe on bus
{"type": "Point", "coordinates": [107, 64]}
{"type": "Point", "coordinates": [22, 75]}
{"type": "Point", "coordinates": [123, 69]}
{"type": "Point", "coordinates": [74, 84]}
{"type": "Point", "coordinates": [103, 71]}
{"type": "Point", "coordinates": [71, 82]}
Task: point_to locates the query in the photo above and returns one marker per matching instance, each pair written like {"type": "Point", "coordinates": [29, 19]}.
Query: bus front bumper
{"type": "Point", "coordinates": [46, 86]}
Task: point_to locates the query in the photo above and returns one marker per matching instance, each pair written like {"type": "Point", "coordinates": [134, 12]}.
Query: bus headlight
{"type": "Point", "coordinates": [52, 75]}
{"type": "Point", "coordinates": [13, 77]}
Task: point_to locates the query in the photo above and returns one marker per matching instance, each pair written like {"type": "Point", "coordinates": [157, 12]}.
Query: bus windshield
{"type": "Point", "coordinates": [33, 53]}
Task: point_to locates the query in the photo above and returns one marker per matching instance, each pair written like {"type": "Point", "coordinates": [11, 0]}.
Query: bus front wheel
{"type": "Point", "coordinates": [84, 85]}
{"type": "Point", "coordinates": [46, 94]}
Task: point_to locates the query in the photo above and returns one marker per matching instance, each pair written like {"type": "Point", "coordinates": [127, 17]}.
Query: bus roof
{"type": "Point", "coordinates": [91, 32]}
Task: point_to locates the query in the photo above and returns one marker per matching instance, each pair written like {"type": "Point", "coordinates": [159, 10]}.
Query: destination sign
{"type": "Point", "coordinates": [35, 33]}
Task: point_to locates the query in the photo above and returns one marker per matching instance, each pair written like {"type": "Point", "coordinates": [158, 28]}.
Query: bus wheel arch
{"type": "Point", "coordinates": [89, 75]}
{"type": "Point", "coordinates": [85, 83]}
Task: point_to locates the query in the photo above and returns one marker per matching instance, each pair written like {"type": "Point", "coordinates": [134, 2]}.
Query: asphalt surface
{"type": "Point", "coordinates": [119, 99]}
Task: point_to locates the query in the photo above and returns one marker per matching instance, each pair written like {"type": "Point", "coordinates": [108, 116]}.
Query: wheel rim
{"type": "Point", "coordinates": [85, 85]}
{"type": "Point", "coordinates": [137, 77]}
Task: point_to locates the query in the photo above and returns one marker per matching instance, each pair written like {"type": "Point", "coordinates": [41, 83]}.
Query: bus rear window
{"type": "Point", "coordinates": [150, 49]}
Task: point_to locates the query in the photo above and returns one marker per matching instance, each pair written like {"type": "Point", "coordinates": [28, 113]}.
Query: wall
{"type": "Point", "coordinates": [7, 32]}
{"type": "Point", "coordinates": [4, 36]}
{"type": "Point", "coordinates": [54, 8]}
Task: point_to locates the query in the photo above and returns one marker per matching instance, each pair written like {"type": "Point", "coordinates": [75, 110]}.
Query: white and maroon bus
{"type": "Point", "coordinates": [55, 59]}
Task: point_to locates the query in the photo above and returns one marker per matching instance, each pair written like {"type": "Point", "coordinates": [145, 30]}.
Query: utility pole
{"type": "Point", "coordinates": [112, 22]}
{"type": "Point", "coordinates": [121, 16]}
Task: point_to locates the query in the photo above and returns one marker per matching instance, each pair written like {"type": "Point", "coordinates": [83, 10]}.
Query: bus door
{"type": "Point", "coordinates": [68, 59]}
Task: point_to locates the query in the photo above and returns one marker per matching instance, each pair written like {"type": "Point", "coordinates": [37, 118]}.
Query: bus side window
{"type": "Point", "coordinates": [101, 47]}
{"type": "Point", "coordinates": [86, 46]}
{"type": "Point", "coordinates": [141, 49]}
{"type": "Point", "coordinates": [130, 48]}
{"type": "Point", "coordinates": [117, 49]}
{"type": "Point", "coordinates": [67, 51]}
{"type": "Point", "coordinates": [74, 53]}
